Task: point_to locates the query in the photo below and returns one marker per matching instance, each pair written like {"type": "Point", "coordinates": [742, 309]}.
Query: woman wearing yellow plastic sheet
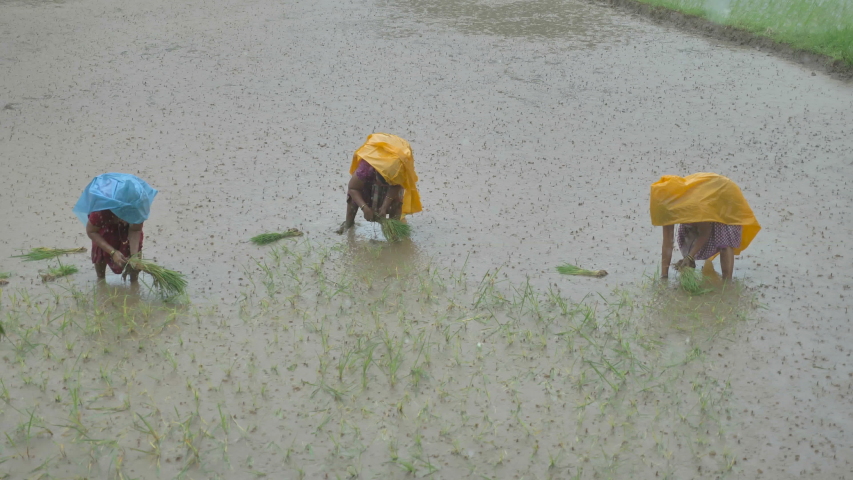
{"type": "Point", "coordinates": [383, 180]}
{"type": "Point", "coordinates": [713, 218]}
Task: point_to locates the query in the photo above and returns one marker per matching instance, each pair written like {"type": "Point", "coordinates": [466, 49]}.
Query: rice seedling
{"type": "Point", "coordinates": [394, 230]}
{"type": "Point", "coordinates": [692, 281]}
{"type": "Point", "coordinates": [5, 275]}
{"type": "Point", "coordinates": [267, 238]}
{"type": "Point", "coordinates": [168, 282]}
{"type": "Point", "coordinates": [45, 253]}
{"type": "Point", "coordinates": [58, 272]}
{"type": "Point", "coordinates": [409, 467]}
{"type": "Point", "coordinates": [568, 269]}
{"type": "Point", "coordinates": [224, 420]}
{"type": "Point", "coordinates": [155, 441]}
{"type": "Point", "coordinates": [617, 377]}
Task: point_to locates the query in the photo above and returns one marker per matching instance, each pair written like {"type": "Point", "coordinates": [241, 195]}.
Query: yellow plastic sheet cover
{"type": "Point", "coordinates": [702, 197]}
{"type": "Point", "coordinates": [391, 156]}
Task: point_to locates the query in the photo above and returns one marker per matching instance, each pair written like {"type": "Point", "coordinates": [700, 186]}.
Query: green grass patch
{"type": "Point", "coordinates": [824, 27]}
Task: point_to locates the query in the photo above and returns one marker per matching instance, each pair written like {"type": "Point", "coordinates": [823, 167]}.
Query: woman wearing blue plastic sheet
{"type": "Point", "coordinates": [114, 206]}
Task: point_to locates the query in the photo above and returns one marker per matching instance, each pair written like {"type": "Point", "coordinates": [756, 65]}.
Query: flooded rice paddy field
{"type": "Point", "coordinates": [537, 128]}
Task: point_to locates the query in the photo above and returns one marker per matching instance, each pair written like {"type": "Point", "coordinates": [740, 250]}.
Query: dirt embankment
{"type": "Point", "coordinates": [836, 68]}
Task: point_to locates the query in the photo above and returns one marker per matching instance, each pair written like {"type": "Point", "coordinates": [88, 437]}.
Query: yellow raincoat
{"type": "Point", "coordinates": [702, 197]}
{"type": "Point", "coordinates": [391, 156]}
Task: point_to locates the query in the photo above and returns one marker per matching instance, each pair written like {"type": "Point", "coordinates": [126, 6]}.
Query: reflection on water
{"type": "Point", "coordinates": [702, 316]}
{"type": "Point", "coordinates": [370, 257]}
{"type": "Point", "coordinates": [711, 275]}
{"type": "Point", "coordinates": [120, 310]}
{"type": "Point", "coordinates": [114, 286]}
{"type": "Point", "coordinates": [534, 19]}
{"type": "Point", "coordinates": [104, 290]}
{"type": "Point", "coordinates": [369, 230]}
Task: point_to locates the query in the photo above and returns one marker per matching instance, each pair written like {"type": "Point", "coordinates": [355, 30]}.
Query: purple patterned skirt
{"type": "Point", "coordinates": [722, 236]}
{"type": "Point", "coordinates": [367, 174]}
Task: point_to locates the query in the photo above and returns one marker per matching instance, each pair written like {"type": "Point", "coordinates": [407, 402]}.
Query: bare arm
{"type": "Point", "coordinates": [666, 250]}
{"type": "Point", "coordinates": [133, 236]}
{"type": "Point", "coordinates": [393, 194]}
{"type": "Point", "coordinates": [92, 232]}
{"type": "Point", "coordinates": [354, 191]}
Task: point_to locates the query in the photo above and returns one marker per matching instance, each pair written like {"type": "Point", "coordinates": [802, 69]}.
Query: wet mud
{"type": "Point", "coordinates": [537, 129]}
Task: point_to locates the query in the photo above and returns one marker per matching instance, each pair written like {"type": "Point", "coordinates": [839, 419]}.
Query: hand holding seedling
{"type": "Point", "coordinates": [369, 215]}
{"type": "Point", "coordinates": [685, 263]}
{"type": "Point", "coordinates": [128, 270]}
{"type": "Point", "coordinates": [119, 258]}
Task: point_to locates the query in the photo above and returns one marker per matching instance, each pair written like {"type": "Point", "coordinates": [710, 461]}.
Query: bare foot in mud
{"type": "Point", "coordinates": [344, 227]}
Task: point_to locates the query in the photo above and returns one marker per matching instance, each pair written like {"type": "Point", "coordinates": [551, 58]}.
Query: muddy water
{"type": "Point", "coordinates": [537, 128]}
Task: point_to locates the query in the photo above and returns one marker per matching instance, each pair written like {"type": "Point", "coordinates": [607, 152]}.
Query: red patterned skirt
{"type": "Point", "coordinates": [115, 232]}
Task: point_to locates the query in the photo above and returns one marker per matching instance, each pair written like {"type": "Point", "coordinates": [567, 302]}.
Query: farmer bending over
{"type": "Point", "coordinates": [713, 218]}
{"type": "Point", "coordinates": [113, 207]}
{"type": "Point", "coordinates": [383, 180]}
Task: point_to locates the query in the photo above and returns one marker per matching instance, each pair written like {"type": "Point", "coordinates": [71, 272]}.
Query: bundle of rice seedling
{"type": "Point", "coordinates": [44, 253]}
{"type": "Point", "coordinates": [267, 238]}
{"type": "Point", "coordinates": [60, 271]}
{"type": "Point", "coordinates": [169, 282]}
{"type": "Point", "coordinates": [3, 278]}
{"type": "Point", "coordinates": [567, 269]}
{"type": "Point", "coordinates": [394, 230]}
{"type": "Point", "coordinates": [692, 281]}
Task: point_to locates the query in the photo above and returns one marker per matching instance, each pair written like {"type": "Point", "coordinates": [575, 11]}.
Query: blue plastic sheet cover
{"type": "Point", "coordinates": [127, 196]}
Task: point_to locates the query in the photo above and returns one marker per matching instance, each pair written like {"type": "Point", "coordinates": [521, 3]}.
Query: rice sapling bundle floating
{"type": "Point", "coordinates": [567, 269]}
{"type": "Point", "coordinates": [394, 230]}
{"type": "Point", "coordinates": [58, 272]}
{"type": "Point", "coordinates": [692, 281]}
{"type": "Point", "coordinates": [44, 253]}
{"type": "Point", "coordinates": [267, 238]}
{"type": "Point", "coordinates": [4, 278]}
{"type": "Point", "coordinates": [168, 282]}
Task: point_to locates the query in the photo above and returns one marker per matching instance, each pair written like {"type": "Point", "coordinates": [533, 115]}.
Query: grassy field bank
{"type": "Point", "coordinates": [326, 367]}
{"type": "Point", "coordinates": [821, 26]}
